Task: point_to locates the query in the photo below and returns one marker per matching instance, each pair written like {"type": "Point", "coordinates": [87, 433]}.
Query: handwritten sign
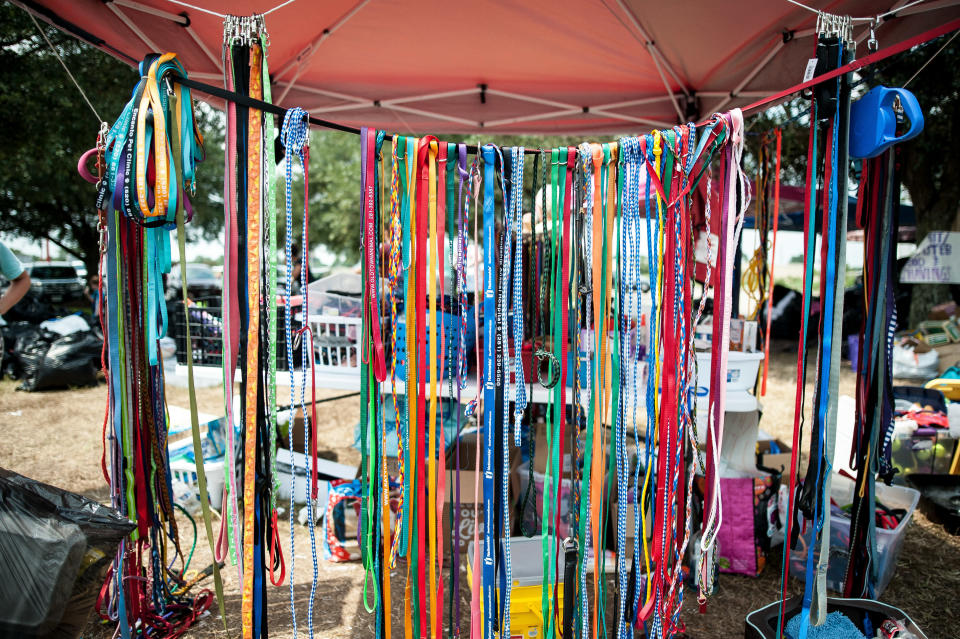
{"type": "Point", "coordinates": [937, 260]}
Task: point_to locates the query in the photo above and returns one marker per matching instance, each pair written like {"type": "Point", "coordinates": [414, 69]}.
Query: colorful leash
{"type": "Point", "coordinates": [230, 525]}
{"type": "Point", "coordinates": [461, 370]}
{"type": "Point", "coordinates": [809, 239]}
{"type": "Point", "coordinates": [773, 253]}
{"type": "Point", "coordinates": [548, 542]}
{"type": "Point", "coordinates": [833, 249]}
{"type": "Point", "coordinates": [875, 213]}
{"type": "Point", "coordinates": [276, 559]}
{"type": "Point", "coordinates": [135, 244]}
{"type": "Point", "coordinates": [372, 360]}
{"type": "Point", "coordinates": [489, 387]}
{"type": "Point", "coordinates": [295, 137]}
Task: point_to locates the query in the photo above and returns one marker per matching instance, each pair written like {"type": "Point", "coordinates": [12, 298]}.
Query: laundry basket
{"type": "Point", "coordinates": [762, 623]}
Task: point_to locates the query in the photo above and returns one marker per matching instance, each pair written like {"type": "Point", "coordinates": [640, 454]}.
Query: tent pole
{"type": "Point", "coordinates": [750, 76]}
{"type": "Point", "coordinates": [311, 49]}
{"type": "Point", "coordinates": [124, 18]}
{"type": "Point", "coordinates": [160, 13]}
{"type": "Point", "coordinates": [657, 58]}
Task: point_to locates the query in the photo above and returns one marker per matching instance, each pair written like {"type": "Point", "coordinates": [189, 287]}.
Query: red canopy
{"type": "Point", "coordinates": [536, 66]}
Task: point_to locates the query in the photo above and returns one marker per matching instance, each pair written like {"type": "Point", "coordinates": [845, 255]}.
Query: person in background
{"type": "Point", "coordinates": [12, 269]}
{"type": "Point", "coordinates": [92, 293]}
{"type": "Point", "coordinates": [297, 268]}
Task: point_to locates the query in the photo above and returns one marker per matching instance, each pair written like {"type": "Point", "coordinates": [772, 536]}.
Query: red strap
{"type": "Point", "coordinates": [442, 470]}
{"type": "Point", "coordinates": [276, 552]}
{"type": "Point", "coordinates": [773, 254]}
{"type": "Point", "coordinates": [423, 176]}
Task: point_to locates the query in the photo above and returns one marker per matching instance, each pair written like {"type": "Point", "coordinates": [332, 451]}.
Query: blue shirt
{"type": "Point", "coordinates": [10, 266]}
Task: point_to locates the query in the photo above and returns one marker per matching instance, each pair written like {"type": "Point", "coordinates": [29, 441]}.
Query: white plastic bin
{"type": "Point", "coordinates": [185, 471]}
{"type": "Point", "coordinates": [742, 369]}
{"type": "Point", "coordinates": [336, 343]}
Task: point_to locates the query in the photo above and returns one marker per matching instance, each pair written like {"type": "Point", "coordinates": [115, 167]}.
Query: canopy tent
{"type": "Point", "coordinates": [538, 66]}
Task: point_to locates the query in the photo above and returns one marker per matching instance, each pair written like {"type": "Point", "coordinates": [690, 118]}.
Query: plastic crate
{"type": "Point", "coordinates": [206, 333]}
{"type": "Point", "coordinates": [451, 327]}
{"type": "Point", "coordinates": [336, 343]}
{"type": "Point", "coordinates": [889, 542]}
{"type": "Point", "coordinates": [340, 295]}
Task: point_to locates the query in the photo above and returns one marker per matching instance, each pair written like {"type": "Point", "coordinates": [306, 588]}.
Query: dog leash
{"type": "Point", "coordinates": [409, 549]}
{"type": "Point", "coordinates": [773, 253]}
{"type": "Point", "coordinates": [489, 388]}
{"type": "Point", "coordinates": [137, 252]}
{"type": "Point", "coordinates": [809, 239]}
{"type": "Point", "coordinates": [276, 552]}
{"type": "Point", "coordinates": [230, 525]}
{"type": "Point", "coordinates": [433, 338]}
{"type": "Point", "coordinates": [547, 540]}
{"type": "Point", "coordinates": [874, 389]}
{"type": "Point", "coordinates": [461, 374]}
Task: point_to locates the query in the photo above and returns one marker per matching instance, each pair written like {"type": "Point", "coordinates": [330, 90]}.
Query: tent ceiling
{"type": "Point", "coordinates": [498, 67]}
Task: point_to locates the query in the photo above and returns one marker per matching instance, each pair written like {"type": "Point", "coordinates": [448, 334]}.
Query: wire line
{"type": "Point", "coordinates": [67, 69]}
{"type": "Point", "coordinates": [224, 15]}
{"type": "Point", "coordinates": [930, 59]}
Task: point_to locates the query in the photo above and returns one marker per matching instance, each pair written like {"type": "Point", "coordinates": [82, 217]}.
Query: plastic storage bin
{"type": "Point", "coordinates": [742, 369]}
{"type": "Point", "coordinates": [340, 294]}
{"type": "Point", "coordinates": [566, 493]}
{"type": "Point", "coordinates": [889, 542]}
{"type": "Point", "coordinates": [762, 623]}
{"type": "Point", "coordinates": [526, 616]}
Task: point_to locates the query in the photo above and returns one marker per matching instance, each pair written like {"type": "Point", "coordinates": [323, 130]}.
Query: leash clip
{"type": "Point", "coordinates": [102, 231]}
{"type": "Point", "coordinates": [872, 43]}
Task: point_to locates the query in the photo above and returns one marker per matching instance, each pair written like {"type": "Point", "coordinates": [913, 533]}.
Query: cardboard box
{"type": "Point", "coordinates": [774, 460]}
{"type": "Point", "coordinates": [949, 355]}
{"type": "Point", "coordinates": [469, 474]}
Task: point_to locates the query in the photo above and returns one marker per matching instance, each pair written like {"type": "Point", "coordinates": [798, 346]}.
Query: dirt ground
{"type": "Point", "coordinates": [55, 437]}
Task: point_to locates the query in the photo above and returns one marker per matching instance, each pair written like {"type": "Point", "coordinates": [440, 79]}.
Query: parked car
{"type": "Point", "coordinates": [56, 282]}
{"type": "Point", "coordinates": [202, 283]}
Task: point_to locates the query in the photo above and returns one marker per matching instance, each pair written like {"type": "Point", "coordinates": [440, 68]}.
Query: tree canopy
{"type": "Point", "coordinates": [47, 127]}
{"type": "Point", "coordinates": [928, 169]}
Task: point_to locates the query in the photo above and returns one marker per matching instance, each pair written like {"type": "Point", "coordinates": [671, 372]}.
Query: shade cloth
{"type": "Point", "coordinates": [499, 67]}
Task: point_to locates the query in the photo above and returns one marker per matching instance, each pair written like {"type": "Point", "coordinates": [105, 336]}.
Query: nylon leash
{"type": "Point", "coordinates": [136, 244]}
{"type": "Point", "coordinates": [489, 389]}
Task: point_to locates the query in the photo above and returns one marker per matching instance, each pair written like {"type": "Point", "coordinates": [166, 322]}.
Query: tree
{"type": "Point", "coordinates": [929, 170]}
{"type": "Point", "coordinates": [47, 126]}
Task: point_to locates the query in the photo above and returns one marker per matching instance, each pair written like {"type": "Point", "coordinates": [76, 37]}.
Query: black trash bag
{"type": "Point", "coordinates": [10, 363]}
{"type": "Point", "coordinates": [56, 548]}
{"type": "Point", "coordinates": [31, 308]}
{"type": "Point", "coordinates": [54, 361]}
